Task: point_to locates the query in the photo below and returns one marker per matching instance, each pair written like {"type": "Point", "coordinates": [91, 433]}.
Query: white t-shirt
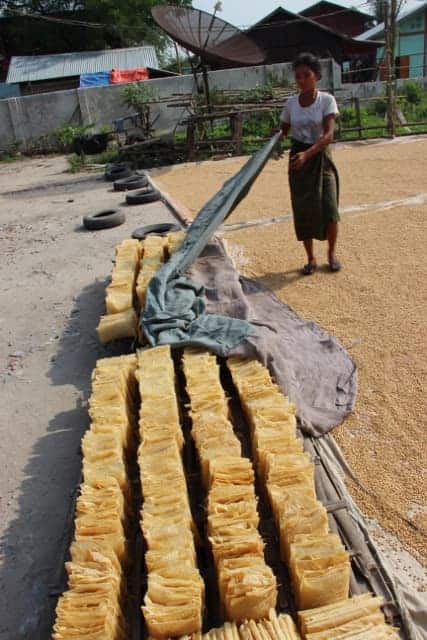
{"type": "Point", "coordinates": [307, 122]}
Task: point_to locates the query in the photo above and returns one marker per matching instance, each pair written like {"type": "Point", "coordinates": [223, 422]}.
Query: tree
{"type": "Point", "coordinates": [378, 8]}
{"type": "Point", "coordinates": [389, 10]}
{"type": "Point", "coordinates": [99, 23]}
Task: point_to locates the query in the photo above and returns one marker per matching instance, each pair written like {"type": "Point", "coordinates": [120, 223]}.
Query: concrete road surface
{"type": "Point", "coordinates": [52, 279]}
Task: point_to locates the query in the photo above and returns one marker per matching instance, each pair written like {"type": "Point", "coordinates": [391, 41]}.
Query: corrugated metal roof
{"type": "Point", "coordinates": [64, 65]}
{"type": "Point", "coordinates": [405, 13]}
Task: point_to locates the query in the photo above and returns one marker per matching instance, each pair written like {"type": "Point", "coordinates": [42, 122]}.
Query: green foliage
{"type": "Point", "coordinates": [138, 96]}
{"type": "Point", "coordinates": [40, 6]}
{"type": "Point", "coordinates": [11, 153]}
{"type": "Point", "coordinates": [132, 20]}
{"type": "Point", "coordinates": [65, 135]}
{"type": "Point", "coordinates": [380, 107]}
{"type": "Point", "coordinates": [171, 63]}
{"type": "Point", "coordinates": [412, 101]}
{"type": "Point", "coordinates": [260, 125]}
{"type": "Point", "coordinates": [258, 94]}
{"type": "Point", "coordinates": [422, 113]}
{"type": "Point", "coordinates": [125, 24]}
{"type": "Point", "coordinates": [76, 163]}
{"type": "Point", "coordinates": [106, 128]}
{"type": "Point", "coordinates": [414, 92]}
{"type": "Point", "coordinates": [377, 8]}
{"type": "Point", "coordinates": [347, 115]}
{"type": "Point", "coordinates": [109, 155]}
{"type": "Point", "coordinates": [277, 79]}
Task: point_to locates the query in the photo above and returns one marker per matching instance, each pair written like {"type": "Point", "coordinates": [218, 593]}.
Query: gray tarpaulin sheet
{"type": "Point", "coordinates": [311, 366]}
{"type": "Point", "coordinates": [174, 309]}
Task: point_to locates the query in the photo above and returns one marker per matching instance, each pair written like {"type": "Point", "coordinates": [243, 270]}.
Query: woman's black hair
{"type": "Point", "coordinates": [308, 60]}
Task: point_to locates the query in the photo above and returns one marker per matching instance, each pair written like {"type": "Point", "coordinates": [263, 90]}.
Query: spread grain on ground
{"type": "Point", "coordinates": [377, 307]}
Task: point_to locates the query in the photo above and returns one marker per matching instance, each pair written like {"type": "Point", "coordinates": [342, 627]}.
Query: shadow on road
{"type": "Point", "coordinates": [39, 535]}
{"type": "Point", "coordinates": [78, 185]}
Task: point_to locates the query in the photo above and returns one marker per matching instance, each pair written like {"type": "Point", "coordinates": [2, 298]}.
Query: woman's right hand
{"type": "Point", "coordinates": [277, 130]}
{"type": "Point", "coordinates": [298, 160]}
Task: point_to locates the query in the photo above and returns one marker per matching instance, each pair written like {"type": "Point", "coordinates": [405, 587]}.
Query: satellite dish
{"type": "Point", "coordinates": [209, 37]}
{"type": "Point", "coordinates": [206, 35]}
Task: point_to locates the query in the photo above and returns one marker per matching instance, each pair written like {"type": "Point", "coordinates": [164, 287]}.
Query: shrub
{"type": "Point", "coordinates": [347, 115]}
{"type": "Point", "coordinates": [421, 113]}
{"type": "Point", "coordinates": [260, 125]}
{"type": "Point", "coordinates": [66, 134]}
{"type": "Point", "coordinates": [76, 163]}
{"type": "Point", "coordinates": [380, 107]}
{"type": "Point", "coordinates": [138, 96]}
{"type": "Point", "coordinates": [413, 92]}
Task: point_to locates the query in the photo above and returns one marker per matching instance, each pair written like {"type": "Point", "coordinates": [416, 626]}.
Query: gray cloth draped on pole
{"type": "Point", "coordinates": [175, 308]}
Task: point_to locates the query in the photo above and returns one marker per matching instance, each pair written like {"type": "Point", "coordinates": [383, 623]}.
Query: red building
{"type": "Point", "coordinates": [347, 21]}
{"type": "Point", "coordinates": [283, 35]}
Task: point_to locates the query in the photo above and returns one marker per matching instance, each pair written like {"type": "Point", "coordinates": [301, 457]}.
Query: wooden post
{"type": "Point", "coordinates": [191, 141]}
{"type": "Point", "coordinates": [339, 122]}
{"type": "Point", "coordinates": [178, 60]}
{"type": "Point", "coordinates": [389, 27]}
{"type": "Point", "coordinates": [358, 116]}
{"type": "Point", "coordinates": [236, 123]}
{"type": "Point", "coordinates": [206, 85]}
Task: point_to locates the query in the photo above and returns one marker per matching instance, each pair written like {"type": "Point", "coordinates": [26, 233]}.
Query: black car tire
{"type": "Point", "coordinates": [90, 144]}
{"type": "Point", "coordinates": [106, 219]}
{"type": "Point", "coordinates": [137, 181]}
{"type": "Point", "coordinates": [117, 171]}
{"type": "Point", "coordinates": [143, 196]}
{"type": "Point", "coordinates": [160, 228]}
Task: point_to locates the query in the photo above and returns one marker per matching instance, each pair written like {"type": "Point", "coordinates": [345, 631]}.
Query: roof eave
{"type": "Point", "coordinates": [318, 25]}
{"type": "Point", "coordinates": [270, 15]}
{"type": "Point", "coordinates": [362, 13]}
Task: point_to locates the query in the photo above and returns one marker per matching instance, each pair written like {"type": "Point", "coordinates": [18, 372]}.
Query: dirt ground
{"type": "Point", "coordinates": [52, 282]}
{"type": "Point", "coordinates": [369, 173]}
{"type": "Point", "coordinates": [377, 307]}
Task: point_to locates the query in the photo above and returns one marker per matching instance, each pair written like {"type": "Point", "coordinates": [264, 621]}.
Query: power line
{"type": "Point", "coordinates": [145, 28]}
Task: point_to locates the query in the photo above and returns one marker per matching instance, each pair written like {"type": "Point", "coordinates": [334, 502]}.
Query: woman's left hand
{"type": "Point", "coordinates": [298, 160]}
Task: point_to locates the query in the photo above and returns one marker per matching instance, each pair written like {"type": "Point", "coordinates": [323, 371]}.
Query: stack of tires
{"type": "Point", "coordinates": [124, 179]}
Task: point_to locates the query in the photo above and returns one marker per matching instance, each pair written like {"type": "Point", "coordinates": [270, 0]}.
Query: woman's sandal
{"type": "Point", "coordinates": [335, 265]}
{"type": "Point", "coordinates": [309, 268]}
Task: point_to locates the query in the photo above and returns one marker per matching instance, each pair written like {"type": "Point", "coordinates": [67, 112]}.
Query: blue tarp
{"type": "Point", "coordinates": [95, 79]}
{"type": "Point", "coordinates": [9, 90]}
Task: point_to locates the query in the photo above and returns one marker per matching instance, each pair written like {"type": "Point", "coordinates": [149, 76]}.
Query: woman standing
{"type": "Point", "coordinates": [313, 178]}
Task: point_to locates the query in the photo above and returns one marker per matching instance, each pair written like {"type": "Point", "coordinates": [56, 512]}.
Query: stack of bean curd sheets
{"type": "Point", "coordinates": [318, 562]}
{"type": "Point", "coordinates": [121, 320]}
{"type": "Point", "coordinates": [92, 606]}
{"type": "Point", "coordinates": [135, 264]}
{"type": "Point", "coordinates": [274, 627]}
{"type": "Point", "coordinates": [174, 600]}
{"type": "Point", "coordinates": [153, 257]}
{"type": "Point", "coordinates": [247, 586]}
